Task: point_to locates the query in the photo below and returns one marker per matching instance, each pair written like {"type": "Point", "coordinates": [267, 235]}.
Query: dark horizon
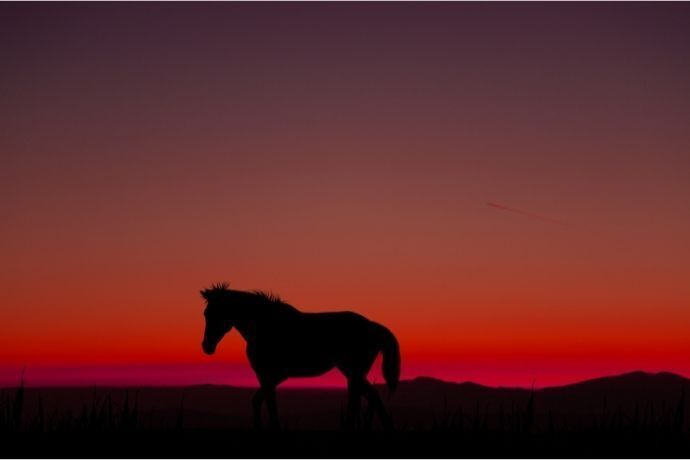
{"type": "Point", "coordinates": [307, 383]}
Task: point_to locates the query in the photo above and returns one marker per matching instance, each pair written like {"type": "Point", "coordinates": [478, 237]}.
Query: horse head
{"type": "Point", "coordinates": [218, 321]}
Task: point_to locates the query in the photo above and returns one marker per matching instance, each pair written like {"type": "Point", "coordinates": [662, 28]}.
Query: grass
{"type": "Point", "coordinates": [116, 426]}
{"type": "Point", "coordinates": [104, 415]}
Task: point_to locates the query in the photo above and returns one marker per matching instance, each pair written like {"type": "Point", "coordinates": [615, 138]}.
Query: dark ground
{"type": "Point", "coordinates": [329, 444]}
{"type": "Point", "coordinates": [634, 415]}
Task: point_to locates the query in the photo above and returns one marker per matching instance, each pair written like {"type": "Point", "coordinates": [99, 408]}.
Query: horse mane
{"type": "Point", "coordinates": [271, 302]}
{"type": "Point", "coordinates": [269, 297]}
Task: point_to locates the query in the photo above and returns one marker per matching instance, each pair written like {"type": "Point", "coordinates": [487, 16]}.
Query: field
{"type": "Point", "coordinates": [631, 415]}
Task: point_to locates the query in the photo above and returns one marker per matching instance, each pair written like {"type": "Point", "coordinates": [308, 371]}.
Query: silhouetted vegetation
{"type": "Point", "coordinates": [120, 424]}
{"type": "Point", "coordinates": [99, 415]}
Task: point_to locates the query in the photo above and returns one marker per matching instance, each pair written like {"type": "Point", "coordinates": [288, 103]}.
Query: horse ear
{"type": "Point", "coordinates": [204, 293]}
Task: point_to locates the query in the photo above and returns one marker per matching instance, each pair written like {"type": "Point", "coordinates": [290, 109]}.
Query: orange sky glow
{"type": "Point", "coordinates": [506, 187]}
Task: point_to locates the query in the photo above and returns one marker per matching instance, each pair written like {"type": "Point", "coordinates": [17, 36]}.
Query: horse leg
{"type": "Point", "coordinates": [353, 400]}
{"type": "Point", "coordinates": [257, 402]}
{"type": "Point", "coordinates": [272, 408]}
{"type": "Point", "coordinates": [368, 417]}
{"type": "Point", "coordinates": [375, 402]}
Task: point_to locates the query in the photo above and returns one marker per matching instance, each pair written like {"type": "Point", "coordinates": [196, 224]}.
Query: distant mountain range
{"type": "Point", "coordinates": [633, 387]}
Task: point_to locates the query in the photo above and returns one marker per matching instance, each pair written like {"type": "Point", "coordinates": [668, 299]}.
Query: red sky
{"type": "Point", "coordinates": [343, 155]}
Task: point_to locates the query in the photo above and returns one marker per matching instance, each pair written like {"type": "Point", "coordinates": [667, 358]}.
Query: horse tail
{"type": "Point", "coordinates": [390, 365]}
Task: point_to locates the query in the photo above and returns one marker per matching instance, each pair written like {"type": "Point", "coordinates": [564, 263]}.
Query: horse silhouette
{"type": "Point", "coordinates": [284, 342]}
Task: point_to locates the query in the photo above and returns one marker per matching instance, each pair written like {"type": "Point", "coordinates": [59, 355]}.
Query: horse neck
{"type": "Point", "coordinates": [245, 324]}
{"type": "Point", "coordinates": [252, 313]}
{"type": "Point", "coordinates": [246, 328]}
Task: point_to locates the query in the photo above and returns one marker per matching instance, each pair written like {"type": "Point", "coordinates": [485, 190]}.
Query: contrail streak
{"type": "Point", "coordinates": [524, 213]}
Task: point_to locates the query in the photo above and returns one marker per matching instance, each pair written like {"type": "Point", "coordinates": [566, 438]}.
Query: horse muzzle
{"type": "Point", "coordinates": [208, 348]}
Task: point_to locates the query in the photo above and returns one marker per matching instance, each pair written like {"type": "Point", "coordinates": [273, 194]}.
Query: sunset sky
{"type": "Point", "coordinates": [505, 186]}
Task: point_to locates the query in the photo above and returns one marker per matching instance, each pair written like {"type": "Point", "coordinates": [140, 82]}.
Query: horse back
{"type": "Point", "coordinates": [330, 324]}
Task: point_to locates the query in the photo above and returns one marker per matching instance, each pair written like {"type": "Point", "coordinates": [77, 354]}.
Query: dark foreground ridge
{"type": "Point", "coordinates": [630, 415]}
{"type": "Point", "coordinates": [330, 444]}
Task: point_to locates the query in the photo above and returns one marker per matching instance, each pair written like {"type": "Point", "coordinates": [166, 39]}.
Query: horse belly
{"type": "Point", "coordinates": [300, 360]}
{"type": "Point", "coordinates": [292, 358]}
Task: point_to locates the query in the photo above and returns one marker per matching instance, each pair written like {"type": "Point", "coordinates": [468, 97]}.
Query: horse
{"type": "Point", "coordinates": [284, 342]}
